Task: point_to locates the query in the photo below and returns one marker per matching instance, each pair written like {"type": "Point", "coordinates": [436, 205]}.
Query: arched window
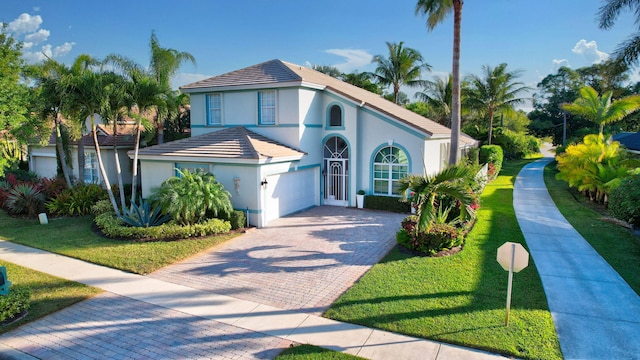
{"type": "Point", "coordinates": [335, 116]}
{"type": "Point", "coordinates": [389, 165]}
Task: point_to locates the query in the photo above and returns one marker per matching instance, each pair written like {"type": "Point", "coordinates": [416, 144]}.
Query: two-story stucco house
{"type": "Point", "coordinates": [281, 138]}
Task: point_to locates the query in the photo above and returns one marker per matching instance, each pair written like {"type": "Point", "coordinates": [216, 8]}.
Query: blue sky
{"type": "Point", "coordinates": [534, 36]}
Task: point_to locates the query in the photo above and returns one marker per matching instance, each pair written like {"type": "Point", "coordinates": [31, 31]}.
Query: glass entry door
{"type": "Point", "coordinates": [335, 171]}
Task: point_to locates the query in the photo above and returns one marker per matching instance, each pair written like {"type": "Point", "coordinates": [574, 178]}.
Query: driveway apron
{"type": "Point", "coordinates": [301, 262]}
{"type": "Point", "coordinates": [596, 314]}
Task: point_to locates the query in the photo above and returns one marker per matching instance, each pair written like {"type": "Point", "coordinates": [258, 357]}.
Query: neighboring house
{"type": "Point", "coordinates": [42, 159]}
{"type": "Point", "coordinates": [630, 140]}
{"type": "Point", "coordinates": [281, 138]}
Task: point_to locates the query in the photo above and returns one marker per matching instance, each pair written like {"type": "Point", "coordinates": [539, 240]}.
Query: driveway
{"type": "Point", "coordinates": [301, 262]}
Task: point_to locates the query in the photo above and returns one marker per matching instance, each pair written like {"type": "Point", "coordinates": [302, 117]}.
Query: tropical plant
{"type": "Point", "coordinates": [492, 155]}
{"type": "Point", "coordinates": [595, 166]}
{"type": "Point", "coordinates": [143, 215]}
{"type": "Point", "coordinates": [16, 302]}
{"type": "Point", "coordinates": [77, 201]}
{"type": "Point", "coordinates": [436, 11]}
{"type": "Point", "coordinates": [516, 145]}
{"type": "Point", "coordinates": [496, 90]}
{"type": "Point", "coordinates": [602, 110]}
{"type": "Point", "coordinates": [403, 66]}
{"type": "Point", "coordinates": [454, 182]}
{"type": "Point", "coordinates": [362, 80]}
{"type": "Point", "coordinates": [190, 197]}
{"type": "Point", "coordinates": [629, 50]}
{"type": "Point", "coordinates": [25, 198]}
{"type": "Point", "coordinates": [437, 96]}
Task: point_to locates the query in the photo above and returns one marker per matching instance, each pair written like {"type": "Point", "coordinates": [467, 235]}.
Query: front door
{"type": "Point", "coordinates": [335, 172]}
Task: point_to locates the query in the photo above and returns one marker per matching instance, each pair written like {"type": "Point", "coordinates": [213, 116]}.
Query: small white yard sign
{"type": "Point", "coordinates": [512, 257]}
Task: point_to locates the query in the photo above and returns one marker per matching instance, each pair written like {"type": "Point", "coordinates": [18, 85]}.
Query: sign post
{"type": "Point", "coordinates": [512, 257]}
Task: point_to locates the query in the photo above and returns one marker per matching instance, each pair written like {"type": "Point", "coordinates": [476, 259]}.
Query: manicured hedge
{"type": "Point", "coordinates": [114, 227]}
{"type": "Point", "coordinates": [624, 201]}
{"type": "Point", "coordinates": [389, 203]}
{"type": "Point", "coordinates": [493, 155]}
{"type": "Point", "coordinates": [238, 219]}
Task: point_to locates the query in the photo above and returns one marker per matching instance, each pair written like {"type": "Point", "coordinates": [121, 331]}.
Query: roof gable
{"type": "Point", "coordinates": [270, 72]}
{"type": "Point", "coordinates": [230, 143]}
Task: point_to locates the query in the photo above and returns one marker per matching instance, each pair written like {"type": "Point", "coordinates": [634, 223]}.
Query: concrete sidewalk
{"type": "Point", "coordinates": [151, 315]}
{"type": "Point", "coordinates": [596, 314]}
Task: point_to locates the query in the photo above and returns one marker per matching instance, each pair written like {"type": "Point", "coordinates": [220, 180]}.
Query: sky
{"type": "Point", "coordinates": [536, 37]}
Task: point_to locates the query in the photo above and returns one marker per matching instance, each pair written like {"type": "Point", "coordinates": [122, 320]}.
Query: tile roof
{"type": "Point", "coordinates": [230, 143]}
{"type": "Point", "coordinates": [277, 71]}
{"type": "Point", "coordinates": [126, 136]}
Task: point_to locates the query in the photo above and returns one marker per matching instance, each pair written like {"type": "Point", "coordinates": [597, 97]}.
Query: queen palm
{"type": "Point", "coordinates": [628, 52]}
{"type": "Point", "coordinates": [165, 63]}
{"type": "Point", "coordinates": [437, 96]}
{"type": "Point", "coordinates": [602, 110]}
{"type": "Point", "coordinates": [452, 181]}
{"type": "Point", "coordinates": [402, 67]}
{"type": "Point", "coordinates": [497, 90]}
{"type": "Point", "coordinates": [86, 94]}
{"type": "Point", "coordinates": [436, 11]}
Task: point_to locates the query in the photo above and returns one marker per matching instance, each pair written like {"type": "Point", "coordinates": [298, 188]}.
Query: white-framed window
{"type": "Point", "coordinates": [214, 109]}
{"type": "Point", "coordinates": [192, 167]}
{"type": "Point", "coordinates": [267, 107]}
{"type": "Point", "coordinates": [91, 170]}
{"type": "Point", "coordinates": [390, 165]}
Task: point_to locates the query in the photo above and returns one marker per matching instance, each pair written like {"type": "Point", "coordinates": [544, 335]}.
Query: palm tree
{"type": "Point", "coordinates": [362, 80]}
{"type": "Point", "coordinates": [437, 96]}
{"type": "Point", "coordinates": [402, 67]}
{"type": "Point", "coordinates": [602, 110]}
{"type": "Point", "coordinates": [328, 70]}
{"type": "Point", "coordinates": [452, 181]}
{"type": "Point", "coordinates": [436, 11]}
{"type": "Point", "coordinates": [165, 63]}
{"type": "Point", "coordinates": [496, 90]}
{"type": "Point", "coordinates": [86, 94]}
{"type": "Point", "coordinates": [629, 50]}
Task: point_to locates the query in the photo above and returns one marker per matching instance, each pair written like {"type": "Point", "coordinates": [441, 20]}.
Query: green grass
{"type": "Point", "coordinates": [460, 299]}
{"type": "Point", "coordinates": [616, 244]}
{"type": "Point", "coordinates": [73, 236]}
{"type": "Point", "coordinates": [310, 352]}
{"type": "Point", "coordinates": [48, 293]}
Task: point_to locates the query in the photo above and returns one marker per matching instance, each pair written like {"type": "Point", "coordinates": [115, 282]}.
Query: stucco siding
{"type": "Point", "coordinates": [153, 174]}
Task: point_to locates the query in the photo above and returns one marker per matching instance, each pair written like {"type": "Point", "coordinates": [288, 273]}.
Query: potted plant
{"type": "Point", "coordinates": [360, 199]}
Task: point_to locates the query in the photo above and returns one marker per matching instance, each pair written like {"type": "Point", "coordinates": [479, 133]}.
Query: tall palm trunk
{"type": "Point", "coordinates": [117, 159]}
{"type": "Point", "coordinates": [61, 154]}
{"type": "Point", "coordinates": [81, 159]}
{"type": "Point", "coordinates": [455, 86]}
{"type": "Point", "coordinates": [134, 178]}
{"type": "Point", "coordinates": [490, 125]}
{"type": "Point", "coordinates": [103, 173]}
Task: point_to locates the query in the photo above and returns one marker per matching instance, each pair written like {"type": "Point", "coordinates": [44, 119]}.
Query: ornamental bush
{"type": "Point", "coordinates": [492, 155]}
{"type": "Point", "coordinates": [388, 203]}
{"type": "Point", "coordinates": [116, 228]}
{"type": "Point", "coordinates": [77, 201]}
{"type": "Point", "coordinates": [624, 201]}
{"type": "Point", "coordinates": [25, 198]}
{"type": "Point", "coordinates": [516, 145]}
{"type": "Point", "coordinates": [16, 302]}
{"type": "Point", "coordinates": [439, 237]}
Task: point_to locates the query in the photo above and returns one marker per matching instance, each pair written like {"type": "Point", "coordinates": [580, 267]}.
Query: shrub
{"type": "Point", "coordinates": [101, 207]}
{"type": "Point", "coordinates": [473, 156]}
{"type": "Point", "coordinates": [77, 201]}
{"type": "Point", "coordinates": [18, 175]}
{"type": "Point", "coordinates": [439, 237]}
{"type": "Point", "coordinates": [25, 198]}
{"type": "Point", "coordinates": [15, 302]}
{"type": "Point", "coordinates": [493, 155]}
{"type": "Point", "coordinates": [389, 203]}
{"type": "Point", "coordinates": [238, 219]}
{"type": "Point", "coordinates": [51, 187]}
{"type": "Point", "coordinates": [516, 145]}
{"type": "Point", "coordinates": [190, 197]}
{"type": "Point", "coordinates": [114, 227]}
{"type": "Point", "coordinates": [5, 187]}
{"type": "Point", "coordinates": [624, 201]}
{"type": "Point", "coordinates": [143, 215]}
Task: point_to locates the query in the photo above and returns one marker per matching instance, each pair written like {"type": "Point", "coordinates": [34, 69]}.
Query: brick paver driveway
{"type": "Point", "coordinates": [300, 262]}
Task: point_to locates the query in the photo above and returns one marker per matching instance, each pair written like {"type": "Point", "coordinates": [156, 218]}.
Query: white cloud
{"type": "Point", "coordinates": [186, 78]}
{"type": "Point", "coordinates": [25, 23]}
{"type": "Point", "coordinates": [37, 37]}
{"type": "Point", "coordinates": [354, 59]}
{"type": "Point", "coordinates": [558, 63]}
{"type": "Point", "coordinates": [589, 49]}
{"type": "Point", "coordinates": [63, 49]}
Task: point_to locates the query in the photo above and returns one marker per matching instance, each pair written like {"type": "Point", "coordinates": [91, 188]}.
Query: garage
{"type": "Point", "coordinates": [44, 165]}
{"type": "Point", "coordinates": [289, 192]}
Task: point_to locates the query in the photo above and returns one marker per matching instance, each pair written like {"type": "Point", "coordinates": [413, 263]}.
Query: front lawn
{"type": "Point", "coordinates": [310, 352]}
{"type": "Point", "coordinates": [48, 293]}
{"type": "Point", "coordinates": [460, 299]}
{"type": "Point", "coordinates": [616, 244]}
{"type": "Point", "coordinates": [73, 236]}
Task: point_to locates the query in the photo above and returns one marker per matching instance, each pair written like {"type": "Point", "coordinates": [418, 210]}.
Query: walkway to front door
{"type": "Point", "coordinates": [299, 262]}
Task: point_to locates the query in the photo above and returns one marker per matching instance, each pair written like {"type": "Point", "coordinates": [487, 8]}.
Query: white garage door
{"type": "Point", "coordinates": [290, 192]}
{"type": "Point", "coordinates": [45, 166]}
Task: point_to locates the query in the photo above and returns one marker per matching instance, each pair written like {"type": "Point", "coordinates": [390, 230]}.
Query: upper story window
{"type": "Point", "coordinates": [267, 107]}
{"type": "Point", "coordinates": [214, 109]}
{"type": "Point", "coordinates": [389, 166]}
{"type": "Point", "coordinates": [335, 116]}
